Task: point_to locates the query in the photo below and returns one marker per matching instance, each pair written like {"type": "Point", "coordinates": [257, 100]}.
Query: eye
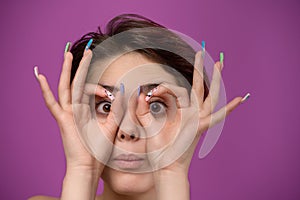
{"type": "Point", "coordinates": [157, 108]}
{"type": "Point", "coordinates": [103, 107]}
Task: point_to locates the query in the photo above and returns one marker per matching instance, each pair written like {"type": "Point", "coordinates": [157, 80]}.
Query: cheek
{"type": "Point", "coordinates": [172, 111]}
{"type": "Point", "coordinates": [168, 132]}
{"type": "Point", "coordinates": [101, 119]}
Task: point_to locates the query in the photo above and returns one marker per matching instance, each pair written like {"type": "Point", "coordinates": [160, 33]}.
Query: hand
{"type": "Point", "coordinates": [73, 114]}
{"type": "Point", "coordinates": [171, 150]}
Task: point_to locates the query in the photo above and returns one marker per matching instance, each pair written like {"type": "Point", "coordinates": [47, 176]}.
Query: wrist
{"type": "Point", "coordinates": [85, 172]}
{"type": "Point", "coordinates": [173, 171]}
{"type": "Point", "coordinates": [171, 185]}
{"type": "Point", "coordinates": [80, 184]}
{"type": "Point", "coordinates": [171, 176]}
{"type": "Point", "coordinates": [87, 167]}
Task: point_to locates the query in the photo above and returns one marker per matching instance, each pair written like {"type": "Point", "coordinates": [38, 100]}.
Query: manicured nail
{"type": "Point", "coordinates": [139, 91]}
{"type": "Point", "coordinates": [122, 89]}
{"type": "Point", "coordinates": [150, 94]}
{"type": "Point", "coordinates": [221, 57]}
{"type": "Point", "coordinates": [110, 95]}
{"type": "Point", "coordinates": [67, 48]}
{"type": "Point", "coordinates": [36, 72]}
{"type": "Point", "coordinates": [245, 97]}
{"type": "Point", "coordinates": [89, 44]}
{"type": "Point", "coordinates": [203, 48]}
{"type": "Point", "coordinates": [203, 45]}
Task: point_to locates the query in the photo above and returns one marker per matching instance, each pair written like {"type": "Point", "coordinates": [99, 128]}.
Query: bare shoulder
{"type": "Point", "coordinates": [40, 197]}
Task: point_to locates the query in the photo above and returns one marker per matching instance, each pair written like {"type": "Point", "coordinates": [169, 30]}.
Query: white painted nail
{"type": "Point", "coordinates": [110, 95]}
{"type": "Point", "coordinates": [36, 72]}
{"type": "Point", "coordinates": [245, 97]}
{"type": "Point", "coordinates": [150, 93]}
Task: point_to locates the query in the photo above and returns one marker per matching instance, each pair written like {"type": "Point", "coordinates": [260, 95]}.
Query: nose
{"type": "Point", "coordinates": [128, 130]}
{"type": "Point", "coordinates": [128, 137]}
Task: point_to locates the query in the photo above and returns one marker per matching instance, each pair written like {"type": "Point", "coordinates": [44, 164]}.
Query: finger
{"type": "Point", "coordinates": [80, 77]}
{"type": "Point", "coordinates": [116, 114]}
{"type": "Point", "coordinates": [198, 86]}
{"type": "Point", "coordinates": [220, 115]}
{"type": "Point", "coordinates": [180, 93]}
{"type": "Point", "coordinates": [177, 142]}
{"type": "Point", "coordinates": [92, 90]}
{"type": "Point", "coordinates": [213, 96]}
{"type": "Point", "coordinates": [151, 126]}
{"type": "Point", "coordinates": [49, 98]}
{"type": "Point", "coordinates": [64, 91]}
{"type": "Point", "coordinates": [143, 114]}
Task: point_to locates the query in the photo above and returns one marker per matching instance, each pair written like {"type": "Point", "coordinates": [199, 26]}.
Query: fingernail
{"type": "Point", "coordinates": [139, 91]}
{"type": "Point", "coordinates": [203, 48]}
{"type": "Point", "coordinates": [150, 94]}
{"type": "Point", "coordinates": [245, 97]}
{"type": "Point", "coordinates": [67, 48]}
{"type": "Point", "coordinates": [110, 95]}
{"type": "Point", "coordinates": [36, 72]}
{"type": "Point", "coordinates": [222, 58]}
{"type": "Point", "coordinates": [88, 44]}
{"type": "Point", "coordinates": [203, 45]}
{"type": "Point", "coordinates": [122, 89]}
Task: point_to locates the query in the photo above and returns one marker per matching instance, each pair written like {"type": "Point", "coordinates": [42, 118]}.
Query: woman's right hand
{"type": "Point", "coordinates": [73, 102]}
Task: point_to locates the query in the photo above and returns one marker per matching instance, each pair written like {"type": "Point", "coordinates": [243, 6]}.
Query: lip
{"type": "Point", "coordinates": [128, 161]}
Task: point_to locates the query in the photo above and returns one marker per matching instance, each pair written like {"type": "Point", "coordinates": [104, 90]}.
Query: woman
{"type": "Point", "coordinates": [134, 111]}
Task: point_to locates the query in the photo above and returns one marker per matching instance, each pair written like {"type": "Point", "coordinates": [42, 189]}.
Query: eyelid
{"type": "Point", "coordinates": [102, 101]}
{"type": "Point", "coordinates": [159, 100]}
{"type": "Point", "coordinates": [99, 99]}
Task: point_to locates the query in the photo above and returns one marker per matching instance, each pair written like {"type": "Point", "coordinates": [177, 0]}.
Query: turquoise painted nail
{"type": "Point", "coordinates": [122, 89]}
{"type": "Point", "coordinates": [203, 45]}
{"type": "Point", "coordinates": [89, 44]}
{"type": "Point", "coordinates": [221, 57]}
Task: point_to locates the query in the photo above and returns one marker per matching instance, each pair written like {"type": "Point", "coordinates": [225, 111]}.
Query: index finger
{"type": "Point", "coordinates": [80, 77]}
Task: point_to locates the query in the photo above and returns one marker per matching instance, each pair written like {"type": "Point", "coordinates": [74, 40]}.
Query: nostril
{"type": "Point", "coordinates": [132, 136]}
{"type": "Point", "coordinates": [122, 136]}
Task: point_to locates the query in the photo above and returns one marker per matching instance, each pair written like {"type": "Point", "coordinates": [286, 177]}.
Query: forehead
{"type": "Point", "coordinates": [134, 69]}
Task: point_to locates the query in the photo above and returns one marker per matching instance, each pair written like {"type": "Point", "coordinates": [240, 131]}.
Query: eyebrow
{"type": "Point", "coordinates": [144, 88]}
{"type": "Point", "coordinates": [109, 87]}
{"type": "Point", "coordinates": [148, 87]}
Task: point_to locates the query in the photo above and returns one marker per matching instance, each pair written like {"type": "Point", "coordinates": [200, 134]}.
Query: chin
{"type": "Point", "coordinates": [125, 183]}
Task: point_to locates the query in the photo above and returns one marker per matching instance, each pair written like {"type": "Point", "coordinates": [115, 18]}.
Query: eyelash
{"type": "Point", "coordinates": [97, 104]}
{"type": "Point", "coordinates": [152, 101]}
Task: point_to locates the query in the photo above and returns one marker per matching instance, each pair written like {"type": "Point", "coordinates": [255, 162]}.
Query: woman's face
{"type": "Point", "coordinates": [129, 156]}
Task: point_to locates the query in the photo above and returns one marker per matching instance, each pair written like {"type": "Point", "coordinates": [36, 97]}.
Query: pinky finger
{"type": "Point", "coordinates": [49, 98]}
{"type": "Point", "coordinates": [220, 115]}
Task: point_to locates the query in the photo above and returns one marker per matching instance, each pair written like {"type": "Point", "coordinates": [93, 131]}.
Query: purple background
{"type": "Point", "coordinates": [257, 156]}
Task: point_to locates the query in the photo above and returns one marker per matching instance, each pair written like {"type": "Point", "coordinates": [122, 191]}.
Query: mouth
{"type": "Point", "coordinates": [128, 161]}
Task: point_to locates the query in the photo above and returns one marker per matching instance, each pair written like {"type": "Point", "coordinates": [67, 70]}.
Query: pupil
{"type": "Point", "coordinates": [106, 107]}
{"type": "Point", "coordinates": [155, 107]}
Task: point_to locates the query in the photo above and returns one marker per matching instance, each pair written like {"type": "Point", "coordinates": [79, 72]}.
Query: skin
{"type": "Point", "coordinates": [127, 111]}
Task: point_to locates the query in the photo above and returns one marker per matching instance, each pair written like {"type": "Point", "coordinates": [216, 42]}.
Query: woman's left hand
{"type": "Point", "coordinates": [171, 150]}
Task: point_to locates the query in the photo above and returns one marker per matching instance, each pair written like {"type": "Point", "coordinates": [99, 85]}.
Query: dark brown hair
{"type": "Point", "coordinates": [129, 22]}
